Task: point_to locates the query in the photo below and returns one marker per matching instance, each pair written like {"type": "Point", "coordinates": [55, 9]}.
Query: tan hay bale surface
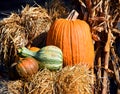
{"type": "Point", "coordinates": [3, 86]}
{"type": "Point", "coordinates": [41, 83]}
{"type": "Point", "coordinates": [13, 18]}
{"type": "Point", "coordinates": [12, 36]}
{"type": "Point", "coordinates": [69, 80]}
{"type": "Point", "coordinates": [13, 33]}
{"type": "Point", "coordinates": [36, 21]}
{"type": "Point", "coordinates": [15, 87]}
{"type": "Point", "coordinates": [76, 79]}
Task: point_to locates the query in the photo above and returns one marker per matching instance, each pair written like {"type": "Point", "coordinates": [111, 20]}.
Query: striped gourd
{"type": "Point", "coordinates": [49, 56]}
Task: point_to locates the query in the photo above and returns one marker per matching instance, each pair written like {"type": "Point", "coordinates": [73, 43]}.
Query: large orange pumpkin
{"type": "Point", "coordinates": [74, 38]}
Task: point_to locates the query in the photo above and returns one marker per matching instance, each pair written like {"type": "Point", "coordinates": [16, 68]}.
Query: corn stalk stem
{"type": "Point", "coordinates": [105, 75]}
{"type": "Point", "coordinates": [73, 15]}
{"type": "Point", "coordinates": [106, 62]}
{"type": "Point", "coordinates": [116, 70]}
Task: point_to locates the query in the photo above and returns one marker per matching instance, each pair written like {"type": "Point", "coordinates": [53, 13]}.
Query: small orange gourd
{"type": "Point", "coordinates": [34, 49]}
{"type": "Point", "coordinates": [27, 66]}
{"type": "Point", "coordinates": [73, 36]}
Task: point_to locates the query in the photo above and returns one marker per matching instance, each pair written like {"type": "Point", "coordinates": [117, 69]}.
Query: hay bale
{"type": "Point", "coordinates": [12, 36]}
{"type": "Point", "coordinates": [76, 79]}
{"type": "Point", "coordinates": [42, 83]}
{"type": "Point", "coordinates": [15, 87]}
{"type": "Point", "coordinates": [37, 23]}
{"type": "Point", "coordinates": [3, 87]}
{"type": "Point", "coordinates": [18, 30]}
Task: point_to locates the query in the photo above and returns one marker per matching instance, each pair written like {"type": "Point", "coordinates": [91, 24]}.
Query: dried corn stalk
{"type": "Point", "coordinates": [103, 17]}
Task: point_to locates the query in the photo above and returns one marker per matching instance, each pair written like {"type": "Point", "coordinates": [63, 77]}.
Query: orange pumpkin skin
{"type": "Point", "coordinates": [74, 39]}
{"type": "Point", "coordinates": [34, 49]}
{"type": "Point", "coordinates": [27, 66]}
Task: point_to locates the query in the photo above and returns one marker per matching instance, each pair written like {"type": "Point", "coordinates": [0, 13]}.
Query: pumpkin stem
{"type": "Point", "coordinates": [73, 15]}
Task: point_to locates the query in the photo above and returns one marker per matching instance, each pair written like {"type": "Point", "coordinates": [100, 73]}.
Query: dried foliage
{"type": "Point", "coordinates": [18, 30]}
{"type": "Point", "coordinates": [102, 15]}
{"type": "Point", "coordinates": [37, 23]}
{"type": "Point", "coordinates": [75, 79]}
{"type": "Point", "coordinates": [12, 36]}
{"type": "Point", "coordinates": [3, 86]}
{"type": "Point", "coordinates": [15, 87]}
{"type": "Point", "coordinates": [41, 83]}
{"type": "Point", "coordinates": [104, 18]}
{"type": "Point", "coordinates": [56, 9]}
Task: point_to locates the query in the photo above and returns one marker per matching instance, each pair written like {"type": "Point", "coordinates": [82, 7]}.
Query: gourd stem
{"type": "Point", "coordinates": [73, 15]}
{"type": "Point", "coordinates": [26, 52]}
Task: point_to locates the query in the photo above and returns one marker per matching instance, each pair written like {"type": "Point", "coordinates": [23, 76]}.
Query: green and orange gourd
{"type": "Point", "coordinates": [49, 57]}
{"type": "Point", "coordinates": [73, 37]}
{"type": "Point", "coordinates": [27, 66]}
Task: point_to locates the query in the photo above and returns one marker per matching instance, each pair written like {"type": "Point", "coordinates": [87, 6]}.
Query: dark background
{"type": "Point", "coordinates": [8, 6]}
